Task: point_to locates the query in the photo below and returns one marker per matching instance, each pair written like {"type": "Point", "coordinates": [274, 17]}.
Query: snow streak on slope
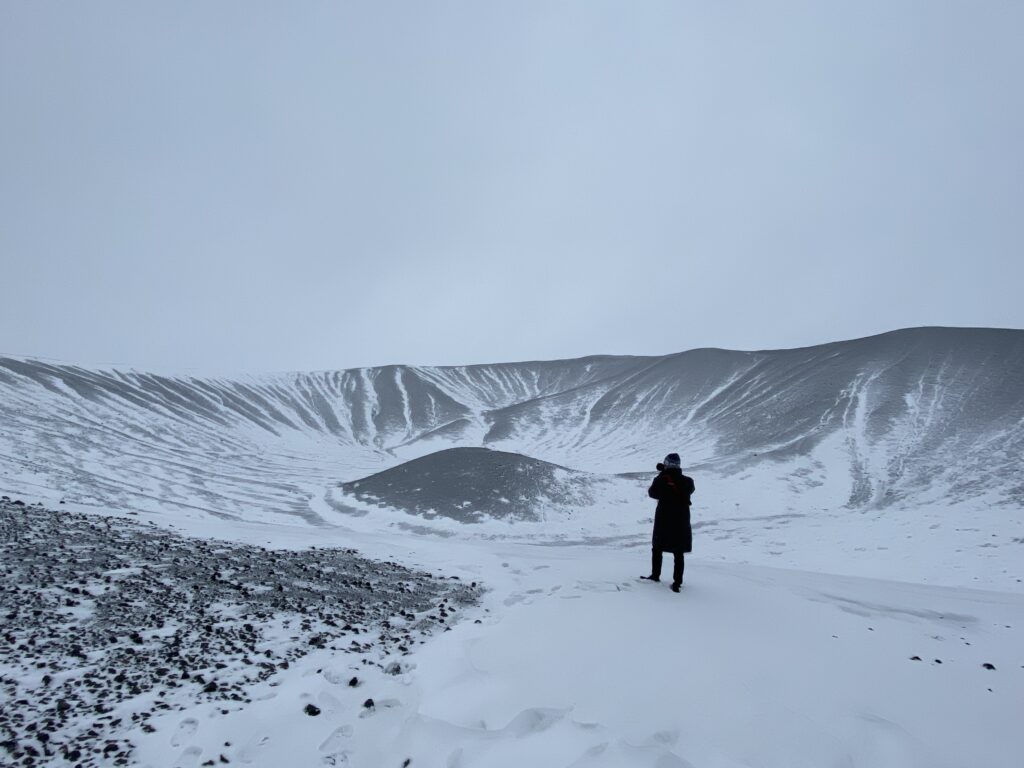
{"type": "Point", "coordinates": [922, 416]}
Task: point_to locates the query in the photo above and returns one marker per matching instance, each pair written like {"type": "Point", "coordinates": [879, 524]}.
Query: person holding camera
{"type": "Point", "coordinates": [672, 531]}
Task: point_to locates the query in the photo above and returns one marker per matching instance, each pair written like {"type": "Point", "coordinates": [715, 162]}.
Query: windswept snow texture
{"type": "Point", "coordinates": [926, 416]}
{"type": "Point", "coordinates": [470, 484]}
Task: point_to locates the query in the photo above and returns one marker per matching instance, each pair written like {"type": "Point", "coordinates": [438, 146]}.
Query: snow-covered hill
{"type": "Point", "coordinates": [910, 418]}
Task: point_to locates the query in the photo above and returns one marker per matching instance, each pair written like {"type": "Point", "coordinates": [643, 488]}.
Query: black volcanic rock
{"type": "Point", "coordinates": [150, 615]}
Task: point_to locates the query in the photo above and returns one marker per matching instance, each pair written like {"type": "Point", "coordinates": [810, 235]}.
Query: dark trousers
{"type": "Point", "coordinates": [677, 566]}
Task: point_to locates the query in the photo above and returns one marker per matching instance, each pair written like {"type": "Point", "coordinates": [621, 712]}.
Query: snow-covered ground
{"type": "Point", "coordinates": [570, 660]}
{"type": "Point", "coordinates": [855, 597]}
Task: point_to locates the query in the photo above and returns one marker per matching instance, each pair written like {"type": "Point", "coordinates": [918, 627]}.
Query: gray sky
{"type": "Point", "coordinates": [310, 185]}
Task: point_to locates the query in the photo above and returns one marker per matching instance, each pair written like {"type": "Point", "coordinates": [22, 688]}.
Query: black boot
{"type": "Point", "coordinates": [677, 571]}
{"type": "Point", "coordinates": [655, 565]}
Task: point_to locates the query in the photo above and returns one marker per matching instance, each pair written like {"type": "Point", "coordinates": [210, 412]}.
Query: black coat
{"type": "Point", "coordinates": [672, 531]}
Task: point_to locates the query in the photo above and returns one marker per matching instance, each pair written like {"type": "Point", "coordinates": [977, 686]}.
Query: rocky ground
{"type": "Point", "coordinates": [97, 613]}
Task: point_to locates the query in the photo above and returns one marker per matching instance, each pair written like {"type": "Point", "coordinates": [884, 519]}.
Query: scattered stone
{"type": "Point", "coordinates": [986, 665]}
{"type": "Point", "coordinates": [312, 710]}
{"type": "Point", "coordinates": [114, 610]}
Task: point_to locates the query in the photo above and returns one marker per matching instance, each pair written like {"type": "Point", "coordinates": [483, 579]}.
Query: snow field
{"type": "Point", "coordinates": [576, 662]}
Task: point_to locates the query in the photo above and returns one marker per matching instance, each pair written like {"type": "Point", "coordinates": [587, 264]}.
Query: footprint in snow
{"type": "Point", "coordinates": [337, 738]}
{"type": "Point", "coordinates": [663, 738]}
{"type": "Point", "coordinates": [189, 758]}
{"type": "Point", "coordinates": [534, 720]}
{"type": "Point", "coordinates": [329, 701]}
{"type": "Point", "coordinates": [186, 729]}
{"type": "Point", "coordinates": [248, 754]}
{"type": "Point", "coordinates": [603, 586]}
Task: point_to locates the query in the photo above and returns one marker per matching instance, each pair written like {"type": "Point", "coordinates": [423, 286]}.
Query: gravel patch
{"type": "Point", "coordinates": [105, 622]}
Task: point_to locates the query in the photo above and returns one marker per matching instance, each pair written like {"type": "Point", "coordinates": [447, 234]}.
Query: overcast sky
{"type": "Point", "coordinates": [306, 185]}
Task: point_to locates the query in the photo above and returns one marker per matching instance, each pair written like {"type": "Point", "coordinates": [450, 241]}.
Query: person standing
{"type": "Point", "coordinates": [672, 531]}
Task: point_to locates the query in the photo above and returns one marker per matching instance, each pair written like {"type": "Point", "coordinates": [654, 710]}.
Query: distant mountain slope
{"type": "Point", "coordinates": [925, 415]}
{"type": "Point", "coordinates": [927, 408]}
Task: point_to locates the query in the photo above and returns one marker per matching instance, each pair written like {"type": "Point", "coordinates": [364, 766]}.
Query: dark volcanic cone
{"type": "Point", "coordinates": [472, 484]}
